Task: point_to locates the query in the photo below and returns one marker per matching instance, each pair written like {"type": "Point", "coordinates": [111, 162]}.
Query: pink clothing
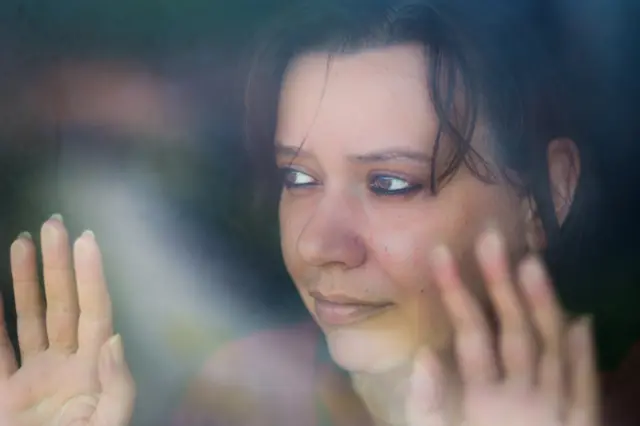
{"type": "Point", "coordinates": [269, 379]}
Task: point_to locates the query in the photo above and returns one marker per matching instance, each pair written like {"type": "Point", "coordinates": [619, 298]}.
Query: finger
{"type": "Point", "coordinates": [95, 304]}
{"type": "Point", "coordinates": [115, 405]}
{"type": "Point", "coordinates": [59, 286]}
{"type": "Point", "coordinates": [548, 320]}
{"type": "Point", "coordinates": [517, 348]}
{"type": "Point", "coordinates": [425, 403]}
{"type": "Point", "coordinates": [8, 364]}
{"type": "Point", "coordinates": [32, 331]}
{"type": "Point", "coordinates": [474, 345]}
{"type": "Point", "coordinates": [584, 383]}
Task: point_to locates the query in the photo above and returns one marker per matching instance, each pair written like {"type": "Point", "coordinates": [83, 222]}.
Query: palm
{"type": "Point", "coordinates": [72, 373]}
{"type": "Point", "coordinates": [48, 382]}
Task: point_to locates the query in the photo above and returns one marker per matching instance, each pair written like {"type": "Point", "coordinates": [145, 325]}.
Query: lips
{"type": "Point", "coordinates": [340, 310]}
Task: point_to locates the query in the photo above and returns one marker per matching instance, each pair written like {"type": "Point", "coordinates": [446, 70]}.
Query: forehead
{"type": "Point", "coordinates": [373, 96]}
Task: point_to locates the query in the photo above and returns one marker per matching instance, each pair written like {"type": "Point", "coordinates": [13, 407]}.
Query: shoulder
{"type": "Point", "coordinates": [257, 376]}
{"type": "Point", "coordinates": [268, 359]}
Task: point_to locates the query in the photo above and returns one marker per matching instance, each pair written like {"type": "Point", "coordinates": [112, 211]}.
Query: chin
{"type": "Point", "coordinates": [361, 349]}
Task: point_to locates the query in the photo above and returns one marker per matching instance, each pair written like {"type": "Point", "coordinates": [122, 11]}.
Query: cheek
{"type": "Point", "coordinates": [403, 255]}
{"type": "Point", "coordinates": [291, 226]}
{"type": "Point", "coordinates": [403, 239]}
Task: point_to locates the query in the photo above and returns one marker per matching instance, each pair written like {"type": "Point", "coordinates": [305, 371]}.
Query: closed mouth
{"type": "Point", "coordinates": [343, 310]}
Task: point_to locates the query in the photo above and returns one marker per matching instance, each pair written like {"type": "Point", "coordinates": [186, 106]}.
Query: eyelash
{"type": "Point", "coordinates": [408, 189]}
{"type": "Point", "coordinates": [286, 172]}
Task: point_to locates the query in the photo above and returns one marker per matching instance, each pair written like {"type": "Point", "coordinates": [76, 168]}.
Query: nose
{"type": "Point", "coordinates": [331, 236]}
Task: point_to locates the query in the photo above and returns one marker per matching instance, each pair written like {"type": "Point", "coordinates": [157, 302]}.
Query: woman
{"type": "Point", "coordinates": [425, 165]}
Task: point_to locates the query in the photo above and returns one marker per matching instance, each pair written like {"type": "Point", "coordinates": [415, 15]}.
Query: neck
{"type": "Point", "coordinates": [384, 394]}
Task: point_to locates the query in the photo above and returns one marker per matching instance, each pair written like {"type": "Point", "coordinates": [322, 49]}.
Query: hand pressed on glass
{"type": "Point", "coordinates": [539, 370]}
{"type": "Point", "coordinates": [72, 368]}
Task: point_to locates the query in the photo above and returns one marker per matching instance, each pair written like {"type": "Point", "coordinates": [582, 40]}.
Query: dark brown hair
{"type": "Point", "coordinates": [496, 53]}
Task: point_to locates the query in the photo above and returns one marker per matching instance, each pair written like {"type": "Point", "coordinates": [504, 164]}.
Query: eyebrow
{"type": "Point", "coordinates": [391, 155]}
{"type": "Point", "coordinates": [385, 155]}
{"type": "Point", "coordinates": [290, 151]}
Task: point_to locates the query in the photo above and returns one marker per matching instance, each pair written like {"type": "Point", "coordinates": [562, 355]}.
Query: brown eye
{"type": "Point", "coordinates": [391, 185]}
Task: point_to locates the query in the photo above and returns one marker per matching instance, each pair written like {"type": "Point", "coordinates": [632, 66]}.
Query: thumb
{"type": "Point", "coordinates": [115, 405]}
{"type": "Point", "coordinates": [425, 403]}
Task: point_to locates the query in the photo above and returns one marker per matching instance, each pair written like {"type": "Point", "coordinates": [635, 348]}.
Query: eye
{"type": "Point", "coordinates": [292, 178]}
{"type": "Point", "coordinates": [392, 185]}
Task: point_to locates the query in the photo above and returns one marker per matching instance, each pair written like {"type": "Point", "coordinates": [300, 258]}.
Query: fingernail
{"type": "Point", "coordinates": [19, 249]}
{"type": "Point", "coordinates": [58, 217]}
{"type": "Point", "coordinates": [492, 226]}
{"type": "Point", "coordinates": [424, 382]}
{"type": "Point", "coordinates": [19, 246]}
{"type": "Point", "coordinates": [26, 235]}
{"type": "Point", "coordinates": [420, 365]}
{"type": "Point", "coordinates": [440, 255]}
{"type": "Point", "coordinates": [116, 351]}
{"type": "Point", "coordinates": [581, 334]}
{"type": "Point", "coordinates": [52, 234]}
{"type": "Point", "coordinates": [491, 242]}
{"type": "Point", "coordinates": [532, 275]}
{"type": "Point", "coordinates": [89, 233]}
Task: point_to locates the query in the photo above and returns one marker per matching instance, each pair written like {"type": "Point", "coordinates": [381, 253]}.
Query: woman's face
{"type": "Point", "coordinates": [357, 219]}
